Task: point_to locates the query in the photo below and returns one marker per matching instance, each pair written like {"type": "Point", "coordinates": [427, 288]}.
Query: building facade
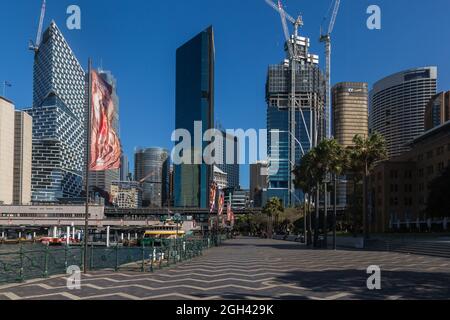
{"type": "Point", "coordinates": [400, 186]}
{"type": "Point", "coordinates": [397, 107]}
{"type": "Point", "coordinates": [227, 157]}
{"type": "Point", "coordinates": [194, 104]}
{"type": "Point", "coordinates": [124, 168]}
{"type": "Point", "coordinates": [126, 194]}
{"type": "Point", "coordinates": [151, 169]}
{"type": "Point", "coordinates": [309, 97]}
{"type": "Point", "coordinates": [437, 111]}
{"type": "Point", "coordinates": [350, 118]}
{"type": "Point", "coordinates": [221, 178]}
{"type": "Point", "coordinates": [22, 158]}
{"type": "Point", "coordinates": [15, 154]}
{"type": "Point", "coordinates": [59, 114]}
{"type": "Point", "coordinates": [259, 173]}
{"type": "Point", "coordinates": [6, 150]}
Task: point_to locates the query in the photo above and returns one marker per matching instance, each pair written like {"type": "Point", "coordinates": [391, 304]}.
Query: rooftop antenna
{"type": "Point", "coordinates": [34, 46]}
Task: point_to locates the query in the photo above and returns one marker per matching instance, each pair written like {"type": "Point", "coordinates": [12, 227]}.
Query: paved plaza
{"type": "Point", "coordinates": [248, 268]}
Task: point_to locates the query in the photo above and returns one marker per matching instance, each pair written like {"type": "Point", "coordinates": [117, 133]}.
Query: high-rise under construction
{"type": "Point", "coordinates": [309, 122]}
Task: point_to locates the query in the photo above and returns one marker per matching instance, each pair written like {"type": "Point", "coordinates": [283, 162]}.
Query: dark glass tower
{"type": "Point", "coordinates": [194, 102]}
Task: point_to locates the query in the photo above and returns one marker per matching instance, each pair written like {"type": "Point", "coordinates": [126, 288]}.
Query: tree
{"type": "Point", "coordinates": [438, 204]}
{"type": "Point", "coordinates": [273, 207]}
{"type": "Point", "coordinates": [366, 153]}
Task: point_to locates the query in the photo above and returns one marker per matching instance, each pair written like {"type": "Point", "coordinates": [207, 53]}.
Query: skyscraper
{"type": "Point", "coordinates": [309, 98]}
{"type": "Point", "coordinates": [15, 155]}
{"type": "Point", "coordinates": [229, 163]}
{"type": "Point", "coordinates": [194, 103]}
{"type": "Point", "coordinates": [397, 106]}
{"type": "Point", "coordinates": [22, 158]}
{"type": "Point", "coordinates": [102, 180]}
{"type": "Point", "coordinates": [258, 182]}
{"type": "Point", "coordinates": [350, 111]}
{"type": "Point", "coordinates": [6, 150]}
{"type": "Point", "coordinates": [151, 169]}
{"type": "Point", "coordinates": [350, 118]}
{"type": "Point", "coordinates": [124, 168]}
{"type": "Point", "coordinates": [59, 113]}
{"type": "Point", "coordinates": [437, 111]}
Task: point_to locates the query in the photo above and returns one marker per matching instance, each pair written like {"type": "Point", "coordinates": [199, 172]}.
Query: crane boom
{"type": "Point", "coordinates": [35, 46]}
{"type": "Point", "coordinates": [41, 24]}
{"type": "Point", "coordinates": [333, 16]}
{"type": "Point", "coordinates": [279, 9]}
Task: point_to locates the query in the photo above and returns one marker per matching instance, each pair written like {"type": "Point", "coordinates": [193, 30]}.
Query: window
{"type": "Point", "coordinates": [440, 151]}
{"type": "Point", "coordinates": [430, 154]}
{"type": "Point", "coordinates": [430, 170]}
{"type": "Point", "coordinates": [441, 167]}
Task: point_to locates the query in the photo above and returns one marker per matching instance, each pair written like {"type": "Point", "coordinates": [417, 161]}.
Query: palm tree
{"type": "Point", "coordinates": [306, 181]}
{"type": "Point", "coordinates": [366, 153]}
{"type": "Point", "coordinates": [273, 208]}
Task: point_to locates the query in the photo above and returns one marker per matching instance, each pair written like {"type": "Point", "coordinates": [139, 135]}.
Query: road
{"type": "Point", "coordinates": [248, 268]}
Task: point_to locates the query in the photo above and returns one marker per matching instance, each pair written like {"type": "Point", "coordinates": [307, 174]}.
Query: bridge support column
{"type": "Point", "coordinates": [129, 236]}
{"type": "Point", "coordinates": [55, 232]}
{"type": "Point", "coordinates": [108, 228]}
{"type": "Point", "coordinates": [73, 230]}
{"type": "Point", "coordinates": [34, 235]}
{"type": "Point", "coordinates": [121, 236]}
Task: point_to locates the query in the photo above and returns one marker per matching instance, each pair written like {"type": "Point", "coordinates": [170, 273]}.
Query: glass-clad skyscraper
{"type": "Point", "coordinates": [194, 103]}
{"type": "Point", "coordinates": [397, 107]}
{"type": "Point", "coordinates": [309, 99]}
{"type": "Point", "coordinates": [151, 169]}
{"type": "Point", "coordinates": [58, 120]}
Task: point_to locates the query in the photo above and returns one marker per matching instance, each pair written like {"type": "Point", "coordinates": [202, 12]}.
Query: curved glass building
{"type": "Point", "coordinates": [397, 106]}
{"type": "Point", "coordinates": [151, 169]}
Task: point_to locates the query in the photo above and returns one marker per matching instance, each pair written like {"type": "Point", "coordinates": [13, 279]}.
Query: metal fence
{"type": "Point", "coordinates": [44, 261]}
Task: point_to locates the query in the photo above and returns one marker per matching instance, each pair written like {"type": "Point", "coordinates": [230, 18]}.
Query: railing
{"type": "Point", "coordinates": [38, 261]}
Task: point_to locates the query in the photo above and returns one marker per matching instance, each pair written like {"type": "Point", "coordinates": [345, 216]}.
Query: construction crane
{"type": "Point", "coordinates": [34, 46]}
{"type": "Point", "coordinates": [291, 43]}
{"type": "Point", "coordinates": [326, 38]}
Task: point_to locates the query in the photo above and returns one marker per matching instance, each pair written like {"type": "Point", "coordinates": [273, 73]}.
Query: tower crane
{"type": "Point", "coordinates": [34, 46]}
{"type": "Point", "coordinates": [291, 43]}
{"type": "Point", "coordinates": [326, 38]}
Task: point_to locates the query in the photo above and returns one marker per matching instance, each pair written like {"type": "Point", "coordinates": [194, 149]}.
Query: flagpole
{"type": "Point", "coordinates": [88, 160]}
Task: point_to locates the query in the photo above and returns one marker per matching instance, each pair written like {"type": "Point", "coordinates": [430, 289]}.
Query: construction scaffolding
{"type": "Point", "coordinates": [306, 91]}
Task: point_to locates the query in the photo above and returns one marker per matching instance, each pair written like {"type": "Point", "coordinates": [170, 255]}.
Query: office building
{"type": "Point", "coordinates": [59, 109]}
{"type": "Point", "coordinates": [350, 111]}
{"type": "Point", "coordinates": [309, 96]}
{"type": "Point", "coordinates": [6, 151]}
{"type": "Point", "coordinates": [240, 199]}
{"type": "Point", "coordinates": [437, 111]}
{"type": "Point", "coordinates": [194, 103]}
{"type": "Point", "coordinates": [100, 181]}
{"type": "Point", "coordinates": [258, 182]}
{"type": "Point", "coordinates": [151, 170]}
{"type": "Point", "coordinates": [397, 107]}
{"type": "Point", "coordinates": [400, 186]}
{"type": "Point", "coordinates": [126, 194]}
{"type": "Point", "coordinates": [125, 168]}
{"type": "Point", "coordinates": [15, 154]}
{"type": "Point", "coordinates": [228, 158]}
{"type": "Point", "coordinates": [350, 118]}
{"type": "Point", "coordinates": [220, 178]}
{"type": "Point", "coordinates": [22, 158]}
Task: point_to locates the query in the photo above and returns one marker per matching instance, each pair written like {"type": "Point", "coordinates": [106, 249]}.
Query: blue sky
{"type": "Point", "coordinates": [137, 39]}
